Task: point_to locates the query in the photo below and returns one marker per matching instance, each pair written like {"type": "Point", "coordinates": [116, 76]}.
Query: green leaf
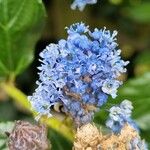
{"type": "Point", "coordinates": [139, 13]}
{"type": "Point", "coordinates": [5, 127]}
{"type": "Point", "coordinates": [7, 111]}
{"type": "Point", "coordinates": [21, 23]}
{"type": "Point", "coordinates": [142, 63]}
{"type": "Point", "coordinates": [3, 144]}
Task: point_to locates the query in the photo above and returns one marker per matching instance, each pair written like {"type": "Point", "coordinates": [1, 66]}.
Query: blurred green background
{"type": "Point", "coordinates": [26, 27]}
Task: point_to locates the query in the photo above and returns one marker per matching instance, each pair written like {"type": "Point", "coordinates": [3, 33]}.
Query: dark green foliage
{"type": "Point", "coordinates": [140, 13]}
{"type": "Point", "coordinates": [5, 127]}
{"type": "Point", "coordinates": [58, 142]}
{"type": "Point", "coordinates": [20, 27]}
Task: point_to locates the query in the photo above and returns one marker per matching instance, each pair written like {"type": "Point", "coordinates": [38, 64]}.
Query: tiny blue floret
{"type": "Point", "coordinates": [81, 4]}
{"type": "Point", "coordinates": [119, 115]}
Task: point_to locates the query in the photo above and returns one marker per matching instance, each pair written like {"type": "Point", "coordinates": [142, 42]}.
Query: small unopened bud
{"type": "Point", "coordinates": [87, 138]}
{"type": "Point", "coordinates": [26, 136]}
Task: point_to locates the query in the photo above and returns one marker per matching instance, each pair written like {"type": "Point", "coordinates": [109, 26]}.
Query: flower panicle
{"type": "Point", "coordinates": [79, 73]}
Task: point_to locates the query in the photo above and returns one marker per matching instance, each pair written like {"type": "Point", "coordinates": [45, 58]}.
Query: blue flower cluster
{"type": "Point", "coordinates": [119, 116]}
{"type": "Point", "coordinates": [79, 73]}
{"type": "Point", "coordinates": [82, 3]}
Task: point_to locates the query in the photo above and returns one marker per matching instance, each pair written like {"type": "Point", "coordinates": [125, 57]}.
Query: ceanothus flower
{"type": "Point", "coordinates": [120, 115]}
{"type": "Point", "coordinates": [79, 73]}
{"type": "Point", "coordinates": [82, 3]}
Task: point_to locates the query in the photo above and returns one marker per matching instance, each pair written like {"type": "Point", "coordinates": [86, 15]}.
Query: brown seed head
{"type": "Point", "coordinates": [87, 138]}
{"type": "Point", "coordinates": [26, 136]}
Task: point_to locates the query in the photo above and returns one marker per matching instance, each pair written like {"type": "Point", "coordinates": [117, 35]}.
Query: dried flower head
{"type": "Point", "coordinates": [79, 73]}
{"type": "Point", "coordinates": [26, 136]}
{"type": "Point", "coordinates": [127, 139]}
{"type": "Point", "coordinates": [82, 3]}
{"type": "Point", "coordinates": [87, 138]}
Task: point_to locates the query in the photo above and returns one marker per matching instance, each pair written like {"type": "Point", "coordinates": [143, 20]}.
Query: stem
{"type": "Point", "coordinates": [19, 97]}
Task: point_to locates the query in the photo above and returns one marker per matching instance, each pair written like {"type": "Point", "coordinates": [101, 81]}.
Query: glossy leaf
{"type": "Point", "coordinates": [5, 127]}
{"type": "Point", "coordinates": [21, 23]}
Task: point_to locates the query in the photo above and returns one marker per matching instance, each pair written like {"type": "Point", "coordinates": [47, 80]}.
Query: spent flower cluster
{"type": "Point", "coordinates": [26, 136]}
{"type": "Point", "coordinates": [88, 137]}
{"type": "Point", "coordinates": [79, 73]}
{"type": "Point", "coordinates": [124, 136]}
